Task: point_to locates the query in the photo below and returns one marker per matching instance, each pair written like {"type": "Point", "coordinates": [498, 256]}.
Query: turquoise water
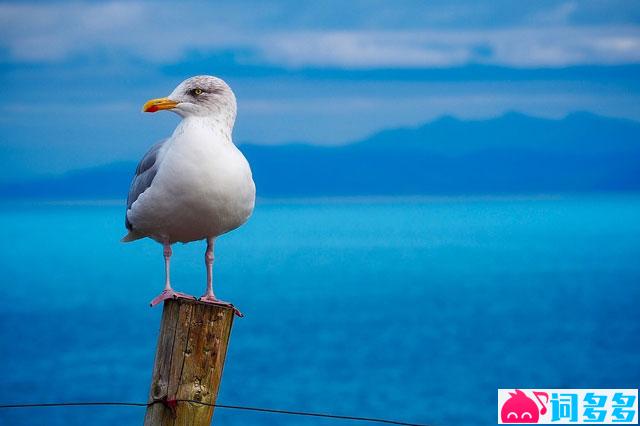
{"type": "Point", "coordinates": [416, 310]}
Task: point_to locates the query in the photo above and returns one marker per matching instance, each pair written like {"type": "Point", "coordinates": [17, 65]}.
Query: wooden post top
{"type": "Point", "coordinates": [192, 347]}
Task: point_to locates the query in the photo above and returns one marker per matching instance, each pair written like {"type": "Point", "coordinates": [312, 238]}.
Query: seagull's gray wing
{"type": "Point", "coordinates": [145, 173]}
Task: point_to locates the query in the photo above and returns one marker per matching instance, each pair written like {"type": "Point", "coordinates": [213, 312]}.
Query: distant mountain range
{"type": "Point", "coordinates": [513, 153]}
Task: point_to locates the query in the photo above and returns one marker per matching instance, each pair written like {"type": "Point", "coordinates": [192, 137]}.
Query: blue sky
{"type": "Point", "coordinates": [73, 75]}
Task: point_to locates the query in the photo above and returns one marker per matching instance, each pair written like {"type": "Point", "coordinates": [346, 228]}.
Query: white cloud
{"type": "Point", "coordinates": [56, 32]}
{"type": "Point", "coordinates": [49, 32]}
{"type": "Point", "coordinates": [518, 47]}
{"type": "Point", "coordinates": [59, 31]}
{"type": "Point", "coordinates": [559, 14]}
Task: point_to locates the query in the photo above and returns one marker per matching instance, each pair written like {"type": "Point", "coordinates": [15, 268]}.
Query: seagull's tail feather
{"type": "Point", "coordinates": [131, 236]}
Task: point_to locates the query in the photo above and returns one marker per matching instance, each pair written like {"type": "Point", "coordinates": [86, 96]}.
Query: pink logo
{"type": "Point", "coordinates": [519, 408]}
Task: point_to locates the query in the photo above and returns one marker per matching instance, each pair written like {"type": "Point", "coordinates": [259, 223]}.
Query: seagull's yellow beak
{"type": "Point", "coordinates": [159, 104]}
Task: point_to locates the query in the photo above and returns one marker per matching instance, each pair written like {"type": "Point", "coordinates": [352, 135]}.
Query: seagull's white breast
{"type": "Point", "coordinates": [203, 187]}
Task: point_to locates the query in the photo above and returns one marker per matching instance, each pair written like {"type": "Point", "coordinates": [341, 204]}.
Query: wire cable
{"type": "Point", "coordinates": [223, 406]}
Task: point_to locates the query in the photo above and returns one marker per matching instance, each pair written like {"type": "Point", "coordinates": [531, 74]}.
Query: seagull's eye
{"type": "Point", "coordinates": [197, 92]}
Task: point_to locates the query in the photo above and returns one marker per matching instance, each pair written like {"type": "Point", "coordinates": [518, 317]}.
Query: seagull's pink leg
{"type": "Point", "coordinates": [168, 292]}
{"type": "Point", "coordinates": [208, 260]}
{"type": "Point", "coordinates": [209, 296]}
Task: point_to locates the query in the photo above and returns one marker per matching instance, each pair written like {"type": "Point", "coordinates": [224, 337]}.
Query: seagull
{"type": "Point", "coordinates": [195, 185]}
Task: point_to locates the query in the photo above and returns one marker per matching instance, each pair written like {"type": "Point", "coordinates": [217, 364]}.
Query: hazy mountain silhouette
{"type": "Point", "coordinates": [509, 154]}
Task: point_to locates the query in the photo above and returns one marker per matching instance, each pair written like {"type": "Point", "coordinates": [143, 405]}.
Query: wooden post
{"type": "Point", "coordinates": [192, 346]}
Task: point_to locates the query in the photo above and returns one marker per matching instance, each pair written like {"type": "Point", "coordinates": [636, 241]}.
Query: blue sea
{"type": "Point", "coordinates": [408, 309]}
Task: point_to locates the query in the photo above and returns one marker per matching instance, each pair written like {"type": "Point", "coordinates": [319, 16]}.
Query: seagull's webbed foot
{"type": "Point", "coordinates": [207, 298]}
{"type": "Point", "coordinates": [170, 294]}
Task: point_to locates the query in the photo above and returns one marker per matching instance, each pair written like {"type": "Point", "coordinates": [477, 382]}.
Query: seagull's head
{"type": "Point", "coordinates": [202, 96]}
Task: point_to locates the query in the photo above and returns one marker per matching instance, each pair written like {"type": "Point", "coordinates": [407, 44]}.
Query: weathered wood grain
{"type": "Point", "coordinates": [192, 347]}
